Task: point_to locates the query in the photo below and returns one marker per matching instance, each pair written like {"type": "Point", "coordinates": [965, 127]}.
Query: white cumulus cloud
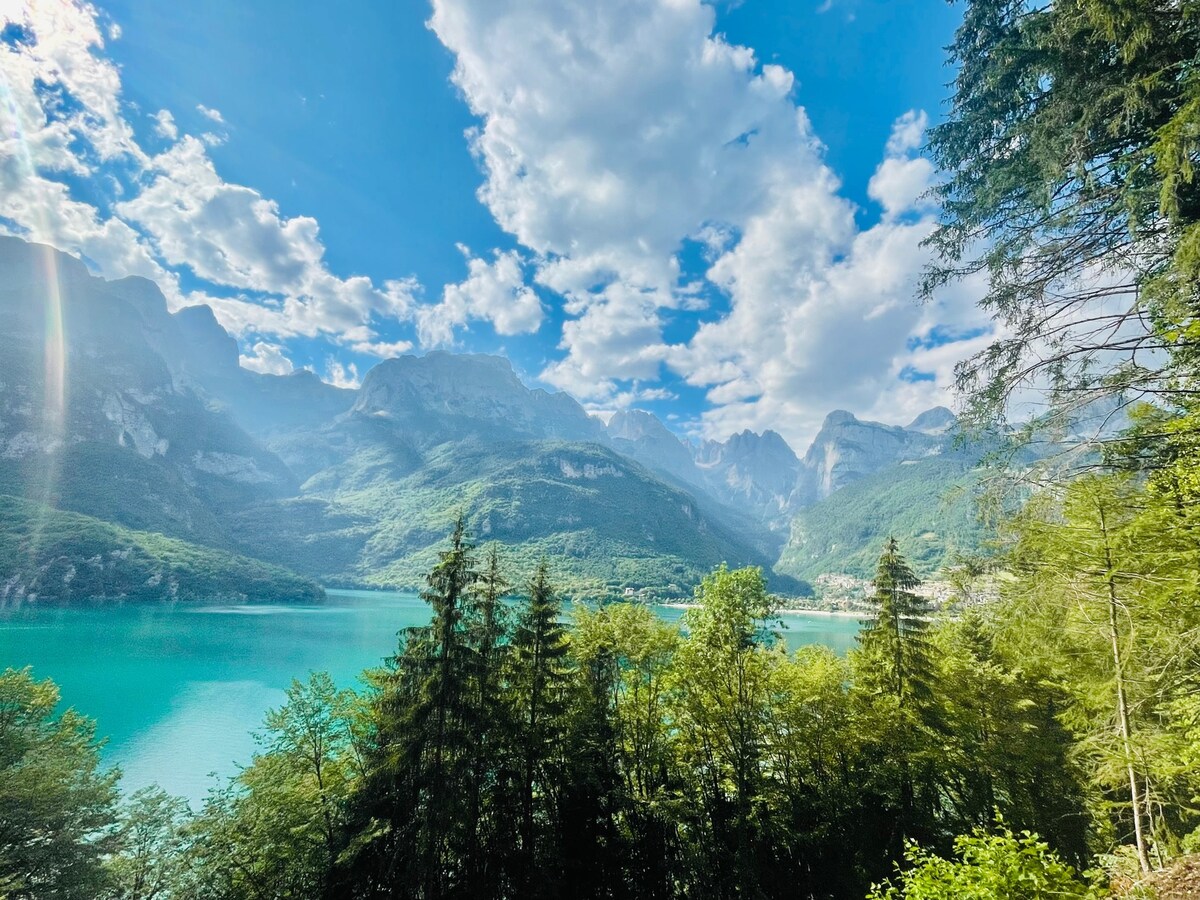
{"type": "Point", "coordinates": [210, 113]}
{"type": "Point", "coordinates": [263, 272]}
{"type": "Point", "coordinates": [268, 359]}
{"type": "Point", "coordinates": [493, 291]}
{"type": "Point", "coordinates": [164, 124]}
{"type": "Point", "coordinates": [611, 134]}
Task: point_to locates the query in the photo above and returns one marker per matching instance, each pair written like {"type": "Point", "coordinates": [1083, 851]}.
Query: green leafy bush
{"type": "Point", "coordinates": [999, 866]}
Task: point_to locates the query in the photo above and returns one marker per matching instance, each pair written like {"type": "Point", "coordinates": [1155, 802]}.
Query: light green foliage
{"type": "Point", "coordinates": [1071, 153]}
{"type": "Point", "coordinates": [999, 866]}
{"type": "Point", "coordinates": [1106, 600]}
{"type": "Point", "coordinates": [1009, 749]}
{"type": "Point", "coordinates": [642, 647]}
{"type": "Point", "coordinates": [722, 691]}
{"type": "Point", "coordinates": [275, 830]}
{"type": "Point", "coordinates": [56, 803]}
{"type": "Point", "coordinates": [812, 720]}
{"type": "Point", "coordinates": [65, 557]}
{"type": "Point", "coordinates": [154, 839]}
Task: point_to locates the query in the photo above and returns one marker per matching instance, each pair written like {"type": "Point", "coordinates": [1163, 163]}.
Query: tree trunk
{"type": "Point", "coordinates": [1135, 799]}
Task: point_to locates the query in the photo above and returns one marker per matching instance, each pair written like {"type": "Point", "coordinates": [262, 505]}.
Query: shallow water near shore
{"type": "Point", "coordinates": [178, 690]}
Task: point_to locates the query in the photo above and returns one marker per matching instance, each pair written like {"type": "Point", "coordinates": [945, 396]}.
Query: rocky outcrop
{"type": "Point", "coordinates": [758, 471]}
{"type": "Point", "coordinates": [847, 449]}
{"type": "Point", "coordinates": [442, 396]}
{"type": "Point", "coordinates": [938, 420]}
{"type": "Point", "coordinates": [642, 436]}
{"type": "Point", "coordinates": [102, 401]}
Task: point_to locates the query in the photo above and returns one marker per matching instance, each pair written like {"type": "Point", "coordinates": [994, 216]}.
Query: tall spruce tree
{"type": "Point", "coordinates": [896, 640]}
{"type": "Point", "coordinates": [592, 800]}
{"type": "Point", "coordinates": [538, 682]}
{"type": "Point", "coordinates": [493, 835]}
{"type": "Point", "coordinates": [415, 830]}
{"type": "Point", "coordinates": [894, 671]}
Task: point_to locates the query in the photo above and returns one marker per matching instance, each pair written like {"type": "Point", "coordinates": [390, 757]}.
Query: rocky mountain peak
{"type": "Point", "coordinates": [769, 445]}
{"type": "Point", "coordinates": [642, 436]}
{"type": "Point", "coordinates": [839, 417]}
{"type": "Point", "coordinates": [27, 265]}
{"type": "Point", "coordinates": [442, 395]}
{"type": "Point", "coordinates": [938, 420]}
{"type": "Point", "coordinates": [635, 424]}
{"type": "Point", "coordinates": [207, 345]}
{"type": "Point", "coordinates": [848, 448]}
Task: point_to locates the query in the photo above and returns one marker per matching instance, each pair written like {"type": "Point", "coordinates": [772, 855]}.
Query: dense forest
{"type": "Point", "coordinates": [508, 752]}
{"type": "Point", "coordinates": [1044, 742]}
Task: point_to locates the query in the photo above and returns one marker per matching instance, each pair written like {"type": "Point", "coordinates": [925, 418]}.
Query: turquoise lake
{"type": "Point", "coordinates": [179, 690]}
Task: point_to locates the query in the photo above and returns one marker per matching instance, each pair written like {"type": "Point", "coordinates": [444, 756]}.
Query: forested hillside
{"type": "Point", "coordinates": [927, 504]}
{"type": "Point", "coordinates": [48, 556]}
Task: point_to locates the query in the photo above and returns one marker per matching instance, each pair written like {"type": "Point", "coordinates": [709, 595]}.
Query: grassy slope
{"type": "Point", "coordinates": [64, 557]}
{"type": "Point", "coordinates": [928, 506]}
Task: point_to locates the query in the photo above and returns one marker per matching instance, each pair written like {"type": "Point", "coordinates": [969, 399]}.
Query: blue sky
{"type": "Point", "coordinates": [707, 211]}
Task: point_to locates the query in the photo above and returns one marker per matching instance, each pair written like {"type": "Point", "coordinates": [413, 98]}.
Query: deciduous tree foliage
{"type": "Point", "coordinates": [999, 866]}
{"type": "Point", "coordinates": [56, 802]}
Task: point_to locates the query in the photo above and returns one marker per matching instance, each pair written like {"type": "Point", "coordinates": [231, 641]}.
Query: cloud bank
{"type": "Point", "coordinates": [612, 136]}
{"type": "Point", "coordinates": [617, 143]}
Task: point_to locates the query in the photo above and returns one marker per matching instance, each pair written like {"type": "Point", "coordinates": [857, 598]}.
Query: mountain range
{"type": "Point", "coordinates": [128, 420]}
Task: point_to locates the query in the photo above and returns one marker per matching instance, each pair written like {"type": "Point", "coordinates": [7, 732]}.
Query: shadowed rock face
{"type": "Point", "coordinates": [98, 411]}
{"type": "Point", "coordinates": [444, 396]}
{"type": "Point", "coordinates": [643, 437]}
{"type": "Point", "coordinates": [847, 449]}
{"type": "Point", "coordinates": [758, 470]}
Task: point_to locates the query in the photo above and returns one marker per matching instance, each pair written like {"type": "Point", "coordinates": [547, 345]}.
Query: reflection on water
{"type": "Point", "coordinates": [210, 725]}
{"type": "Point", "coordinates": [180, 689]}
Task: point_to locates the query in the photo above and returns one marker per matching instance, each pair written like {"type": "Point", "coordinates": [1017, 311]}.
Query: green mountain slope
{"type": "Point", "coordinates": [47, 555]}
{"type": "Point", "coordinates": [927, 505]}
{"type": "Point", "coordinates": [108, 428]}
{"type": "Point", "coordinates": [376, 518]}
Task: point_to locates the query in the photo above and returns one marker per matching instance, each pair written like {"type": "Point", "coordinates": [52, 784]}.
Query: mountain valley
{"type": "Point", "coordinates": [151, 425]}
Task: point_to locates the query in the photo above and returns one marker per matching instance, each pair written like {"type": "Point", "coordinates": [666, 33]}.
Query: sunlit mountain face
{"type": "Point", "coordinates": [712, 212]}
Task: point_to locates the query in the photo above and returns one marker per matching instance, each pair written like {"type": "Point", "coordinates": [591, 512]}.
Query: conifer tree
{"type": "Point", "coordinates": [592, 801]}
{"type": "Point", "coordinates": [539, 670]}
{"type": "Point", "coordinates": [894, 672]}
{"type": "Point", "coordinates": [490, 804]}
{"type": "Point", "coordinates": [896, 640]}
{"type": "Point", "coordinates": [413, 819]}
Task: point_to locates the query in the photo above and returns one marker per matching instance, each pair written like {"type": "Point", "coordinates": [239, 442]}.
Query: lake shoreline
{"type": "Point", "coordinates": [799, 611]}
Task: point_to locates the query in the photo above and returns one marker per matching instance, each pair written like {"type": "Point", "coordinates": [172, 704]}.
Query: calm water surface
{"type": "Point", "coordinates": [179, 690]}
